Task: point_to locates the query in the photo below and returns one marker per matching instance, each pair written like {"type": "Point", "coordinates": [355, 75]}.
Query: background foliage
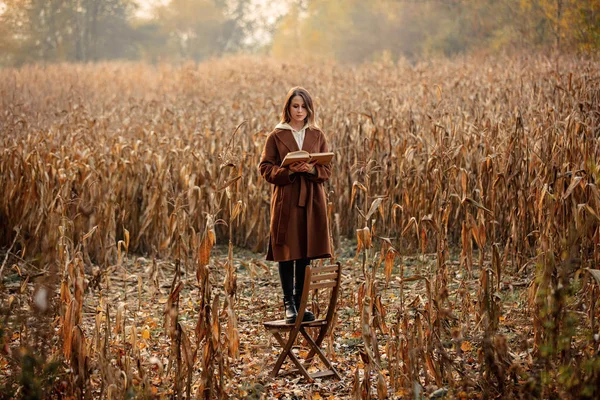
{"type": "Point", "coordinates": [344, 30]}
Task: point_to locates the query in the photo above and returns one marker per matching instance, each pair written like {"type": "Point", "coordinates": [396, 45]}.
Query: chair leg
{"type": "Point", "coordinates": [287, 351]}
{"type": "Point", "coordinates": [316, 349]}
{"type": "Point", "coordinates": [320, 337]}
{"type": "Point", "coordinates": [286, 346]}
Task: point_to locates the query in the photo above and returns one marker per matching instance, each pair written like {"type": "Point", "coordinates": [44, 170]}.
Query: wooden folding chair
{"type": "Point", "coordinates": [326, 277]}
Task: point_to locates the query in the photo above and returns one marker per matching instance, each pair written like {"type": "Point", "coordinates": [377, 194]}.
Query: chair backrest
{"type": "Point", "coordinates": [328, 276]}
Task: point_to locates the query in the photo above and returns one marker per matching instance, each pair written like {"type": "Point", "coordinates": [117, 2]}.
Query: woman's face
{"type": "Point", "coordinates": [298, 110]}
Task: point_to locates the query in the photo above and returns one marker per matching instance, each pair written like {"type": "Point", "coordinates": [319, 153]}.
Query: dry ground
{"type": "Point", "coordinates": [258, 300]}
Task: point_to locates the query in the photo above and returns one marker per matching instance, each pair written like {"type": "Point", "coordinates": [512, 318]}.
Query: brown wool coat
{"type": "Point", "coordinates": [299, 227]}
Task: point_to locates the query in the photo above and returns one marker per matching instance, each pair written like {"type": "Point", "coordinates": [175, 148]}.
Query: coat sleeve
{"type": "Point", "coordinates": [269, 165]}
{"type": "Point", "coordinates": [323, 171]}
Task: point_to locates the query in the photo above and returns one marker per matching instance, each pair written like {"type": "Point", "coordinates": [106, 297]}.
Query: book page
{"type": "Point", "coordinates": [321, 158]}
{"type": "Point", "coordinates": [295, 156]}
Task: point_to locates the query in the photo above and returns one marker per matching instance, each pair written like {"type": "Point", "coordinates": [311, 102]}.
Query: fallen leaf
{"type": "Point", "coordinates": [466, 346]}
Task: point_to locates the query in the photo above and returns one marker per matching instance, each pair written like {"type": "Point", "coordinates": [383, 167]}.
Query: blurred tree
{"type": "Point", "coordinates": [194, 28]}
{"type": "Point", "coordinates": [572, 23]}
{"type": "Point", "coordinates": [12, 30]}
{"type": "Point", "coordinates": [357, 31]}
{"type": "Point", "coordinates": [346, 30]}
{"type": "Point", "coordinates": [587, 24]}
{"type": "Point", "coordinates": [239, 24]}
{"type": "Point", "coordinates": [66, 30]}
{"type": "Point", "coordinates": [151, 40]}
{"type": "Point", "coordinates": [105, 31]}
{"type": "Point", "coordinates": [197, 29]}
{"type": "Point", "coordinates": [321, 28]}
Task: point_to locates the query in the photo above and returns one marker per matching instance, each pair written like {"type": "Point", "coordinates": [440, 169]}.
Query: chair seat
{"type": "Point", "coordinates": [280, 324]}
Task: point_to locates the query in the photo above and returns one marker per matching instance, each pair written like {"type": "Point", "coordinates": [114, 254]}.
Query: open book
{"type": "Point", "coordinates": [314, 158]}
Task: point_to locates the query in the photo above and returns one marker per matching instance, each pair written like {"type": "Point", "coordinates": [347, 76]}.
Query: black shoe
{"type": "Point", "coordinates": [308, 315]}
{"type": "Point", "coordinates": [290, 310]}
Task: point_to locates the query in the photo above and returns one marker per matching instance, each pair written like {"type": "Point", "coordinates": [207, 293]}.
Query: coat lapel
{"type": "Point", "coordinates": [286, 137]}
{"type": "Point", "coordinates": [310, 140]}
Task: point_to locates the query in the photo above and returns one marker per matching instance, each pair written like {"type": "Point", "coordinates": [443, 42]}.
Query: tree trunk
{"type": "Point", "coordinates": [559, 7]}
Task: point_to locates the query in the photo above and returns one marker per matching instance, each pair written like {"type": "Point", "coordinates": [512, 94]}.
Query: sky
{"type": "Point", "coordinates": [145, 7]}
{"type": "Point", "coordinates": [265, 10]}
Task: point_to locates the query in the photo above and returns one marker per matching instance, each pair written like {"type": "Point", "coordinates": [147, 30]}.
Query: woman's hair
{"type": "Point", "coordinates": [299, 91]}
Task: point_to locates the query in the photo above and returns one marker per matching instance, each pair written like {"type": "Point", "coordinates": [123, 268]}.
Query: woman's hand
{"type": "Point", "coordinates": [301, 166]}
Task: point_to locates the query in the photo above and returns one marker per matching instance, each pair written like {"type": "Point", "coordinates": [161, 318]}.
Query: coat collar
{"type": "Point", "coordinates": [287, 138]}
{"type": "Point", "coordinates": [285, 125]}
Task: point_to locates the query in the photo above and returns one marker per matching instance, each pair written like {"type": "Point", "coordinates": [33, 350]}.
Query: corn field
{"type": "Point", "coordinates": [463, 205]}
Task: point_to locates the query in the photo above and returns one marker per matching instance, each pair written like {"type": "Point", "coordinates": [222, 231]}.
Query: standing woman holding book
{"type": "Point", "coordinates": [299, 230]}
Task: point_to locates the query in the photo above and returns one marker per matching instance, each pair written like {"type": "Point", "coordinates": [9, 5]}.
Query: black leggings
{"type": "Point", "coordinates": [287, 273]}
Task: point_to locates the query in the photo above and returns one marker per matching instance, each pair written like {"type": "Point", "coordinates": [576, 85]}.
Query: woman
{"type": "Point", "coordinates": [299, 228]}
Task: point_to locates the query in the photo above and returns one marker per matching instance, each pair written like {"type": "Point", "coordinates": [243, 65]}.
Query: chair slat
{"type": "Point", "coordinates": [320, 285]}
{"type": "Point", "coordinates": [322, 374]}
{"type": "Point", "coordinates": [323, 277]}
{"type": "Point", "coordinates": [326, 268]}
{"type": "Point", "coordinates": [314, 375]}
{"type": "Point", "coordinates": [281, 325]}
